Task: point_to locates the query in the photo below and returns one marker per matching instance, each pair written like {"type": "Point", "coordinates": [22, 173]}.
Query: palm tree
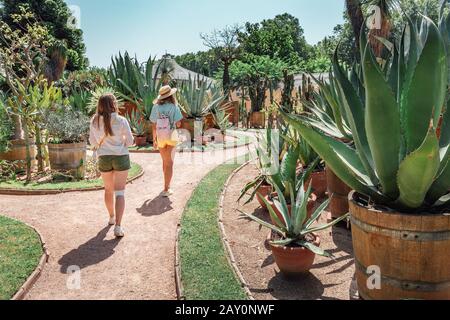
{"type": "Point", "coordinates": [57, 61]}
{"type": "Point", "coordinates": [356, 16]}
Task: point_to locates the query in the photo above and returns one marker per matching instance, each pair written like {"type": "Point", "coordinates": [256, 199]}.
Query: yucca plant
{"type": "Point", "coordinates": [295, 228]}
{"type": "Point", "coordinates": [197, 98]}
{"type": "Point", "coordinates": [398, 160]}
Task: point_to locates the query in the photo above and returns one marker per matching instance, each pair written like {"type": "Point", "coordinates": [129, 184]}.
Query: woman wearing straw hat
{"type": "Point", "coordinates": [166, 117]}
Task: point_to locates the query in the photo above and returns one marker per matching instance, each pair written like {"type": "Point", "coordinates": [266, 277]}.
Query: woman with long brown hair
{"type": "Point", "coordinates": [110, 135]}
{"type": "Point", "coordinates": [166, 118]}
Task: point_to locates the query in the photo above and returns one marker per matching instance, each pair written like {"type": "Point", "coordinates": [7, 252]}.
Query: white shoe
{"type": "Point", "coordinates": [112, 221]}
{"type": "Point", "coordinates": [118, 232]}
{"type": "Point", "coordinates": [167, 194]}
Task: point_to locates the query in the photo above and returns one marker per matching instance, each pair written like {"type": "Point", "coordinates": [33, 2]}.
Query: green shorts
{"type": "Point", "coordinates": [114, 163]}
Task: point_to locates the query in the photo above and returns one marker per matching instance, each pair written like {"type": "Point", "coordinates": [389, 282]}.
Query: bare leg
{"type": "Point", "coordinates": [167, 155]}
{"type": "Point", "coordinates": [108, 181]}
{"type": "Point", "coordinates": [120, 181]}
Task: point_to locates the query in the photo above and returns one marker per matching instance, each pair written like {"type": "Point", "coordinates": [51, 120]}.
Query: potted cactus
{"type": "Point", "coordinates": [293, 239]}
{"type": "Point", "coordinates": [399, 166]}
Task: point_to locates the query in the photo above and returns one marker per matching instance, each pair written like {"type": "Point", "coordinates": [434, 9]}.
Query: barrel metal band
{"type": "Point", "coordinates": [403, 235]}
{"type": "Point", "coordinates": [406, 285]}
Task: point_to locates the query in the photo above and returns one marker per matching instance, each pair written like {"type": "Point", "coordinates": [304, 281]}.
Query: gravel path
{"type": "Point", "coordinates": [74, 225]}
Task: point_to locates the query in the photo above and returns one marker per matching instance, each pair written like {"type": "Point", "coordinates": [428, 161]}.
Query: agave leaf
{"type": "Point", "coordinates": [418, 171]}
{"type": "Point", "coordinates": [263, 223]}
{"type": "Point", "coordinates": [424, 96]}
{"type": "Point", "coordinates": [355, 113]}
{"type": "Point", "coordinates": [274, 216]}
{"type": "Point", "coordinates": [314, 249]}
{"type": "Point", "coordinates": [382, 125]}
{"type": "Point", "coordinates": [326, 148]}
{"type": "Point", "coordinates": [284, 242]}
{"type": "Point", "coordinates": [441, 185]}
{"type": "Point", "coordinates": [324, 226]}
{"type": "Point", "coordinates": [445, 129]}
{"type": "Point", "coordinates": [317, 213]}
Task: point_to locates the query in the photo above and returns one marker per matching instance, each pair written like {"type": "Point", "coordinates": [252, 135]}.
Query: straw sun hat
{"type": "Point", "coordinates": [165, 92]}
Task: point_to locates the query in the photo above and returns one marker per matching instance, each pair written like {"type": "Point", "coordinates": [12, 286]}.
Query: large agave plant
{"type": "Point", "coordinates": [198, 98]}
{"type": "Point", "coordinates": [399, 158]}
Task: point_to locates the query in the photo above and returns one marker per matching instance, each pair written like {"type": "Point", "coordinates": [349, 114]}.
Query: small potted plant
{"type": "Point", "coordinates": [138, 127]}
{"type": "Point", "coordinates": [293, 239]}
{"type": "Point", "coordinates": [68, 130]}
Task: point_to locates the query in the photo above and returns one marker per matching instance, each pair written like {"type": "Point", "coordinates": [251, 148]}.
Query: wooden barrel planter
{"type": "Point", "coordinates": [338, 193]}
{"type": "Point", "coordinates": [411, 252]}
{"type": "Point", "coordinates": [69, 157]}
{"type": "Point", "coordinates": [149, 130]}
{"type": "Point", "coordinates": [258, 120]}
{"type": "Point", "coordinates": [18, 152]}
{"type": "Point", "coordinates": [189, 124]}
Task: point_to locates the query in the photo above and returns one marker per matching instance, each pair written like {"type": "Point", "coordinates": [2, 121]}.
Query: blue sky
{"type": "Point", "coordinates": [153, 27]}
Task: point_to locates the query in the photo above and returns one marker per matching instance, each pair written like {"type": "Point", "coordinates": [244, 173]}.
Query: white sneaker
{"type": "Point", "coordinates": [112, 221]}
{"type": "Point", "coordinates": [118, 232]}
{"type": "Point", "coordinates": [167, 194]}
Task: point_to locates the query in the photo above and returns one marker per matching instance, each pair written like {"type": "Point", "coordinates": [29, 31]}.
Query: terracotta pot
{"type": "Point", "coordinates": [338, 192]}
{"type": "Point", "coordinates": [310, 207]}
{"type": "Point", "coordinates": [149, 130]}
{"type": "Point", "coordinates": [68, 157]}
{"type": "Point", "coordinates": [410, 251]}
{"type": "Point", "coordinates": [319, 183]}
{"type": "Point", "coordinates": [209, 122]}
{"type": "Point", "coordinates": [258, 120]}
{"type": "Point", "coordinates": [264, 190]}
{"type": "Point", "coordinates": [232, 109]}
{"type": "Point", "coordinates": [140, 141]}
{"type": "Point", "coordinates": [293, 261]}
{"type": "Point", "coordinates": [190, 125]}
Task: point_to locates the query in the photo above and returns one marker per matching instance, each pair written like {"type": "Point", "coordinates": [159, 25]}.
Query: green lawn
{"type": "Point", "coordinates": [205, 271]}
{"type": "Point", "coordinates": [13, 184]}
{"type": "Point", "coordinates": [20, 251]}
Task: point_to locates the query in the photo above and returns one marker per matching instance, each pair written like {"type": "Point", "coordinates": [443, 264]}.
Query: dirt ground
{"type": "Point", "coordinates": [328, 280]}
{"type": "Point", "coordinates": [74, 225]}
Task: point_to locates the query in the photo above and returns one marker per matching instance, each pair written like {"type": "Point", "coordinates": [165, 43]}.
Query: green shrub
{"type": "Point", "coordinates": [5, 127]}
{"type": "Point", "coordinates": [67, 126]}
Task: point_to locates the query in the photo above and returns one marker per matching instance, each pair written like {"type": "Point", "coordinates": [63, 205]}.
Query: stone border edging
{"type": "Point", "coordinates": [26, 287]}
{"type": "Point", "coordinates": [37, 192]}
{"type": "Point", "coordinates": [229, 253]}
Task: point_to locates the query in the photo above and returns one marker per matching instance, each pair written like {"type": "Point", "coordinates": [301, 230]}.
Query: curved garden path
{"type": "Point", "coordinates": [74, 225]}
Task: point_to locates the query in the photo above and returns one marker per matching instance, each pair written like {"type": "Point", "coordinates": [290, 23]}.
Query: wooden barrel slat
{"type": "Point", "coordinates": [411, 251]}
{"type": "Point", "coordinates": [18, 152]}
{"type": "Point", "coordinates": [68, 157]}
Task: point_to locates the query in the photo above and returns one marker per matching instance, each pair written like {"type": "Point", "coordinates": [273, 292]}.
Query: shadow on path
{"type": "Point", "coordinates": [90, 253]}
{"type": "Point", "coordinates": [155, 207]}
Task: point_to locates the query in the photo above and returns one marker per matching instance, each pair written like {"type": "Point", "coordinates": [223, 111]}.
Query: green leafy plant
{"type": "Point", "coordinates": [399, 160]}
{"type": "Point", "coordinates": [5, 127]}
{"type": "Point", "coordinates": [198, 98]}
{"type": "Point", "coordinates": [295, 229]}
{"type": "Point", "coordinates": [222, 119]}
{"type": "Point", "coordinates": [67, 126]}
{"type": "Point", "coordinates": [136, 123]}
{"type": "Point", "coordinates": [97, 94]}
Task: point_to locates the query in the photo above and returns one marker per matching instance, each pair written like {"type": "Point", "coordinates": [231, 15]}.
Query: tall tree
{"type": "Point", "coordinates": [224, 44]}
{"type": "Point", "coordinates": [54, 15]}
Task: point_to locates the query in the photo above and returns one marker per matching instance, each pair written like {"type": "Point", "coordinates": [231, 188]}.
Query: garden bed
{"type": "Point", "coordinates": [21, 252]}
{"type": "Point", "coordinates": [17, 187]}
{"type": "Point", "coordinates": [327, 280]}
{"type": "Point", "coordinates": [203, 270]}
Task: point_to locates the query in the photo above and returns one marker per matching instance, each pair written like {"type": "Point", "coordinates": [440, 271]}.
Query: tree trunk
{"type": "Point", "coordinates": [226, 77]}
{"type": "Point", "coordinates": [356, 17]}
{"type": "Point", "coordinates": [18, 130]}
{"type": "Point", "coordinates": [27, 148]}
{"type": "Point", "coordinates": [40, 157]}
